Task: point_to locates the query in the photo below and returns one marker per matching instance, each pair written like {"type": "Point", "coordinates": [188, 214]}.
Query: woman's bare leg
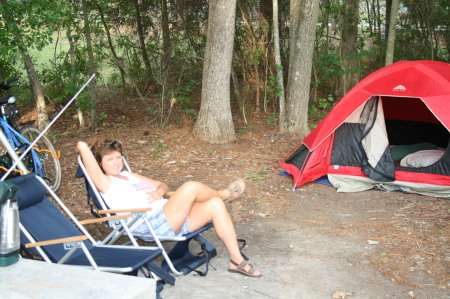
{"type": "Point", "coordinates": [177, 209]}
{"type": "Point", "coordinates": [201, 204]}
{"type": "Point", "coordinates": [214, 210]}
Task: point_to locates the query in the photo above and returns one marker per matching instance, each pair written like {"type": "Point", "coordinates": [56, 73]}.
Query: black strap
{"type": "Point", "coordinates": [203, 246]}
{"type": "Point", "coordinates": [241, 247]}
{"type": "Point", "coordinates": [207, 263]}
{"type": "Point", "coordinates": [93, 209]}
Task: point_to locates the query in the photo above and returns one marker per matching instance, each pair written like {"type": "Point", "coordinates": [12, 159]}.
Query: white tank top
{"type": "Point", "coordinates": [131, 194]}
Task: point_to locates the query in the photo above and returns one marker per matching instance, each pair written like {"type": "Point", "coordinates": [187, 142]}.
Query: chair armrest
{"type": "Point", "coordinates": [103, 219]}
{"type": "Point", "coordinates": [124, 211]}
{"type": "Point", "coordinates": [56, 241]}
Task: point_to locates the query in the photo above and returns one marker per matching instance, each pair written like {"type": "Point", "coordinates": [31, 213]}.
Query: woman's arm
{"type": "Point", "coordinates": [101, 180]}
{"type": "Point", "coordinates": [161, 188]}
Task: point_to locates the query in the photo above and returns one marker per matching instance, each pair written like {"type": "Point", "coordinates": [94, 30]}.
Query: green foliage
{"type": "Point", "coordinates": [101, 116]}
{"type": "Point", "coordinates": [328, 68]}
{"type": "Point", "coordinates": [152, 111]}
{"type": "Point", "coordinates": [69, 90]}
{"type": "Point", "coordinates": [189, 87]}
{"type": "Point", "coordinates": [258, 55]}
{"type": "Point", "coordinates": [184, 99]}
{"type": "Point", "coordinates": [274, 88]}
{"type": "Point", "coordinates": [34, 21]}
{"type": "Point", "coordinates": [155, 153]}
{"type": "Point", "coordinates": [272, 118]}
{"type": "Point", "coordinates": [261, 175]}
{"type": "Point", "coordinates": [157, 146]}
{"type": "Point", "coordinates": [25, 25]}
{"type": "Point", "coordinates": [423, 32]}
{"type": "Point", "coordinates": [6, 67]}
{"type": "Point", "coordinates": [320, 108]}
{"type": "Point", "coordinates": [84, 103]}
{"type": "Point", "coordinates": [53, 136]}
{"type": "Point", "coordinates": [192, 112]}
{"type": "Point", "coordinates": [244, 130]}
{"type": "Point", "coordinates": [114, 79]}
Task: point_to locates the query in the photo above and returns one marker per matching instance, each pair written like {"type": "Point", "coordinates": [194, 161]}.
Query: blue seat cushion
{"type": "Point", "coordinates": [29, 190]}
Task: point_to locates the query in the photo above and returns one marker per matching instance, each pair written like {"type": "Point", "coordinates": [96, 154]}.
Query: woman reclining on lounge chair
{"type": "Point", "coordinates": [190, 207]}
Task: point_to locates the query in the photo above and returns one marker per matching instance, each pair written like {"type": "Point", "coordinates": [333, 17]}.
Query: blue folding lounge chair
{"type": "Point", "coordinates": [46, 231]}
{"type": "Point", "coordinates": [179, 260]}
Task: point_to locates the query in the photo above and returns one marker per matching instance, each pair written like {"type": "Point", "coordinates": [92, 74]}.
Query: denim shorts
{"type": "Point", "coordinates": [161, 227]}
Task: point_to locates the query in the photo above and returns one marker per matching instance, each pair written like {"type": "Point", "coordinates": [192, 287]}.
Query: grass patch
{"type": "Point", "coordinates": [261, 175]}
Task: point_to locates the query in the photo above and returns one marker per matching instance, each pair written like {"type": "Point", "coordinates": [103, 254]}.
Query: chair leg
{"type": "Point", "coordinates": [161, 273]}
{"type": "Point", "coordinates": [184, 260]}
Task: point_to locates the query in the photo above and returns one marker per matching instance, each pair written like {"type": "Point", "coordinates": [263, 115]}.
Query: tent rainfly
{"type": "Point", "coordinates": [390, 131]}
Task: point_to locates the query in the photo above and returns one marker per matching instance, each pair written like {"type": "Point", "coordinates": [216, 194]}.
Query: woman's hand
{"type": "Point", "coordinates": [155, 195]}
{"type": "Point", "coordinates": [81, 146]}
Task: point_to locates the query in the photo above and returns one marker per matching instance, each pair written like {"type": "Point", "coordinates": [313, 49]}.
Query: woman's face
{"type": "Point", "coordinates": [112, 164]}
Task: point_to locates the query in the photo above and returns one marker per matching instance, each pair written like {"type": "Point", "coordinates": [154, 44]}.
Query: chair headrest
{"type": "Point", "coordinates": [79, 174]}
{"type": "Point", "coordinates": [30, 191]}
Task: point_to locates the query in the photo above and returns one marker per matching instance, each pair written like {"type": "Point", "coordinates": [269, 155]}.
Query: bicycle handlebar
{"type": "Point", "coordinates": [5, 85]}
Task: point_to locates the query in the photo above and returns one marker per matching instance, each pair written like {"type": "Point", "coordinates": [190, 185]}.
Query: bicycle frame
{"type": "Point", "coordinates": [48, 126]}
{"type": "Point", "coordinates": [21, 144]}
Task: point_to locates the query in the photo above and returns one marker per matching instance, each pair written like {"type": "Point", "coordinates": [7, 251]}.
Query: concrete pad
{"type": "Point", "coordinates": [36, 279]}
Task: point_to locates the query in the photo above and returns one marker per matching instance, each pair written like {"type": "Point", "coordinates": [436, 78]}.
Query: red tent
{"type": "Point", "coordinates": [398, 107]}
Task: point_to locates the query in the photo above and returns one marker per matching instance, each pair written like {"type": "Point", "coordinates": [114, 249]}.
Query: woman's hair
{"type": "Point", "coordinates": [105, 147]}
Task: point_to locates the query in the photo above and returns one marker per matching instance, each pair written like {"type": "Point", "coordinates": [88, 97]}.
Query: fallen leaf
{"type": "Point", "coordinates": [340, 295]}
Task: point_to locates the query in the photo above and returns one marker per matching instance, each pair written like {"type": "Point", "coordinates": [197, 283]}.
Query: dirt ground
{"type": "Point", "coordinates": [408, 235]}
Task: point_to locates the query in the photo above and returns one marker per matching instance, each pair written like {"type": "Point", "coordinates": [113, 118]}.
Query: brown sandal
{"type": "Point", "coordinates": [236, 189]}
{"type": "Point", "coordinates": [241, 269]}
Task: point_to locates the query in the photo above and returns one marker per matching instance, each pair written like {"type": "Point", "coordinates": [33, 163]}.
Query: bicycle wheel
{"type": "Point", "coordinates": [51, 166]}
{"type": "Point", "coordinates": [6, 163]}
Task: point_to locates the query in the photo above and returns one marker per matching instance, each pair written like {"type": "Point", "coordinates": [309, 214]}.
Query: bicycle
{"type": "Point", "coordinates": [42, 159]}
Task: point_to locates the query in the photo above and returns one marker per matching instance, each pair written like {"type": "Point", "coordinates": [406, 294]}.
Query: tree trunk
{"type": "Point", "coordinates": [87, 32]}
{"type": "Point", "coordinates": [391, 36]}
{"type": "Point", "coordinates": [215, 122]}
{"type": "Point", "coordinates": [42, 117]}
{"type": "Point", "coordinates": [168, 77]}
{"type": "Point", "coordinates": [140, 32]}
{"type": "Point", "coordinates": [278, 64]}
{"type": "Point", "coordinates": [73, 72]}
{"type": "Point", "coordinates": [304, 15]}
{"type": "Point", "coordinates": [388, 21]}
{"type": "Point", "coordinates": [166, 38]}
{"type": "Point", "coordinates": [263, 47]}
{"type": "Point", "coordinates": [349, 46]}
{"type": "Point", "coordinates": [111, 46]}
{"type": "Point", "coordinates": [237, 93]}
{"type": "Point", "coordinates": [265, 44]}
{"type": "Point", "coordinates": [378, 32]}
{"type": "Point", "coordinates": [38, 92]}
{"type": "Point", "coordinates": [254, 62]}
